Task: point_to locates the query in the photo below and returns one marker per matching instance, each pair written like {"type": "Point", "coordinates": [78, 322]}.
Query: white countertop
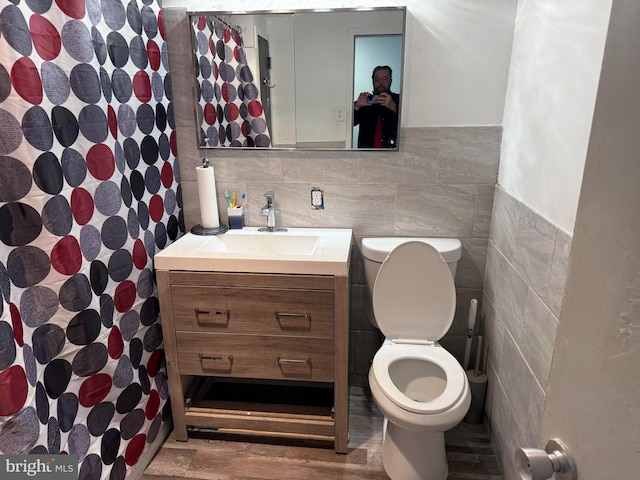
{"type": "Point", "coordinates": [311, 251]}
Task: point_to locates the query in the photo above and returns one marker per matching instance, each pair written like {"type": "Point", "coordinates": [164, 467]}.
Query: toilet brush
{"type": "Point", "coordinates": [476, 371]}
{"type": "Point", "coordinates": [470, 324]}
{"type": "Point", "coordinates": [478, 384]}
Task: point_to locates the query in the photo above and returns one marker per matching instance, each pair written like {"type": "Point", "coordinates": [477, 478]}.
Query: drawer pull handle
{"type": "Point", "coordinates": [280, 316]}
{"type": "Point", "coordinates": [225, 358]}
{"type": "Point", "coordinates": [220, 363]}
{"type": "Point", "coordinates": [217, 314]}
{"type": "Point", "coordinates": [282, 361]}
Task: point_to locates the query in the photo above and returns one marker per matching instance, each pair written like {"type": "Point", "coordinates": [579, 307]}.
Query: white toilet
{"type": "Point", "coordinates": [420, 388]}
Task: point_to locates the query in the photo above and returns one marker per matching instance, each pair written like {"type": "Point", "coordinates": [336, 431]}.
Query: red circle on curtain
{"type": "Point", "coordinates": [45, 36]}
{"type": "Point", "coordinates": [209, 114]}
{"type": "Point", "coordinates": [161, 24]}
{"type": "Point", "coordinates": [13, 390]}
{"type": "Point", "coordinates": [155, 360]}
{"type": "Point", "coordinates": [94, 389]}
{"type": "Point", "coordinates": [81, 206]}
{"type": "Point", "coordinates": [227, 35]}
{"type": "Point", "coordinates": [151, 410]}
{"type": "Point", "coordinates": [139, 254]}
{"type": "Point", "coordinates": [202, 22]}
{"type": "Point", "coordinates": [134, 449]}
{"type": "Point", "coordinates": [255, 108]}
{"type": "Point", "coordinates": [173, 143]}
{"type": "Point", "coordinates": [26, 80]}
{"type": "Point", "coordinates": [233, 112]}
{"type": "Point", "coordinates": [124, 296]}
{"type": "Point", "coordinates": [112, 120]}
{"type": "Point", "coordinates": [225, 91]}
{"type": "Point", "coordinates": [153, 52]}
{"type": "Point", "coordinates": [156, 208]}
{"type": "Point", "coordinates": [115, 344]}
{"type": "Point", "coordinates": [166, 175]}
{"type": "Point", "coordinates": [100, 161]}
{"type": "Point", "coordinates": [16, 323]}
{"type": "Point", "coordinates": [73, 8]}
{"type": "Point", "coordinates": [142, 86]}
{"type": "Point", "coordinates": [66, 256]}
{"type": "Point", "coordinates": [216, 71]}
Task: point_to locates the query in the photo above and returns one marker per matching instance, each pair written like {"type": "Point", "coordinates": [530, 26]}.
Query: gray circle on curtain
{"type": "Point", "coordinates": [126, 120]}
{"type": "Point", "coordinates": [93, 123]}
{"type": "Point", "coordinates": [54, 82]}
{"type": "Point", "coordinates": [114, 14]}
{"type": "Point", "coordinates": [15, 30]}
{"type": "Point", "coordinates": [138, 52]}
{"type": "Point", "coordinates": [15, 181]}
{"type": "Point", "coordinates": [36, 127]}
{"type": "Point", "coordinates": [85, 83]}
{"type": "Point", "coordinates": [77, 41]}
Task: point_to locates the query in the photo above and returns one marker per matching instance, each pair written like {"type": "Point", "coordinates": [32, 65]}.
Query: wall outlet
{"type": "Point", "coordinates": [339, 114]}
{"type": "Point", "coordinates": [317, 198]}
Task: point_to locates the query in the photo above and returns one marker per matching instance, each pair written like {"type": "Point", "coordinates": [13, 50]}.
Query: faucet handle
{"type": "Point", "coordinates": [269, 195]}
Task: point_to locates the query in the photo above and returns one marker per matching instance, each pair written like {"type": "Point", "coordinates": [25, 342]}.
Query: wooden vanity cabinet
{"type": "Point", "coordinates": [263, 354]}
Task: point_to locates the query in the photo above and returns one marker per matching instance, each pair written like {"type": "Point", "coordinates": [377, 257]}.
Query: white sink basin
{"type": "Point", "coordinates": [319, 251]}
{"type": "Point", "coordinates": [264, 243]}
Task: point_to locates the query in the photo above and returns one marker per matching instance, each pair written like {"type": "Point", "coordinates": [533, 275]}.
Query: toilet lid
{"type": "Point", "coordinates": [414, 297]}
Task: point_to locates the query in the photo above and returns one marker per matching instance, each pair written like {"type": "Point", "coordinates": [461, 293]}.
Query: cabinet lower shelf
{"type": "Point", "coordinates": [274, 410]}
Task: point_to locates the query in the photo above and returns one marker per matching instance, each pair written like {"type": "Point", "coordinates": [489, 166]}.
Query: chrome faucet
{"type": "Point", "coordinates": [269, 211]}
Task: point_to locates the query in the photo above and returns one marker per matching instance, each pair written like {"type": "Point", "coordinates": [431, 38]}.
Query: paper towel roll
{"type": "Point", "coordinates": [208, 197]}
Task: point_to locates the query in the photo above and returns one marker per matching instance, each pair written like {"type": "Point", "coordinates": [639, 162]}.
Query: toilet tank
{"type": "Point", "coordinates": [375, 250]}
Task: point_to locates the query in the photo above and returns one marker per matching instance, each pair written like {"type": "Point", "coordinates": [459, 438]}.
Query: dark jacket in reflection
{"type": "Point", "coordinates": [367, 118]}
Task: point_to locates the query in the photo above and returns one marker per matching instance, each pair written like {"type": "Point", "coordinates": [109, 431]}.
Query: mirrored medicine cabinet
{"type": "Point", "coordinates": [290, 79]}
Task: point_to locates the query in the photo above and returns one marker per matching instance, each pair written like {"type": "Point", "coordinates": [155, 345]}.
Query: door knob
{"type": "Point", "coordinates": [538, 464]}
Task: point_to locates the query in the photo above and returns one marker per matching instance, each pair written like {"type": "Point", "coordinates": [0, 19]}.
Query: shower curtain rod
{"type": "Point", "coordinates": [237, 28]}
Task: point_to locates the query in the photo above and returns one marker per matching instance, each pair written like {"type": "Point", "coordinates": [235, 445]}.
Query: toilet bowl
{"type": "Point", "coordinates": [419, 387]}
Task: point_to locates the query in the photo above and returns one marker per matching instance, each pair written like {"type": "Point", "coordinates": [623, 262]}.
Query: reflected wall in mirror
{"type": "Point", "coordinates": [289, 80]}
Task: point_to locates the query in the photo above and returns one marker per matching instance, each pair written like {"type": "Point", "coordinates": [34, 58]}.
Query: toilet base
{"type": "Point", "coordinates": [409, 455]}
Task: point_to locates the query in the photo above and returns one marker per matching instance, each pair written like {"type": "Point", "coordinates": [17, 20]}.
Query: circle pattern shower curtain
{"type": "Point", "coordinates": [89, 192]}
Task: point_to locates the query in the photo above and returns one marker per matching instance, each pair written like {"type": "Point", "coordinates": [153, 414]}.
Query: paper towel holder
{"type": "Point", "coordinates": [538, 464]}
{"type": "Point", "coordinates": [199, 229]}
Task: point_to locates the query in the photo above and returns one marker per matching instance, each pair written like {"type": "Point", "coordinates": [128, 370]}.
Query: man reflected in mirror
{"type": "Point", "coordinates": [377, 112]}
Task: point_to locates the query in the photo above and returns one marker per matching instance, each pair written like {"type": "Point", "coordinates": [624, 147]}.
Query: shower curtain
{"type": "Point", "coordinates": [89, 192]}
{"type": "Point", "coordinates": [229, 107]}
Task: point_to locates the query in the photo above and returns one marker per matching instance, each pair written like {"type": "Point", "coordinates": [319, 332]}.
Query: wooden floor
{"type": "Point", "coordinates": [208, 457]}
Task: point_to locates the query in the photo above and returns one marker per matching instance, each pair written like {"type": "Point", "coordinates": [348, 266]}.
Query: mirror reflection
{"type": "Point", "coordinates": [298, 80]}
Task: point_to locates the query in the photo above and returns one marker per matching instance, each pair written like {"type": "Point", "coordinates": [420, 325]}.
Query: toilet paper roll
{"type": "Point", "coordinates": [208, 197]}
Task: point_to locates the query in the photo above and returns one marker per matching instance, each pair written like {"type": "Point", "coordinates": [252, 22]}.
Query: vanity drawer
{"type": "Point", "coordinates": [253, 310]}
{"type": "Point", "coordinates": [256, 356]}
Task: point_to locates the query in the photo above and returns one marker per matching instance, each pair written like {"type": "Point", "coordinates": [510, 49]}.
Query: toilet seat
{"type": "Point", "coordinates": [414, 297]}
{"type": "Point", "coordinates": [414, 301]}
{"type": "Point", "coordinates": [455, 377]}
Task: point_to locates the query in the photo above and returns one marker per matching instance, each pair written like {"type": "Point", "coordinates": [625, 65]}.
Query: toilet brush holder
{"type": "Point", "coordinates": [478, 386]}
